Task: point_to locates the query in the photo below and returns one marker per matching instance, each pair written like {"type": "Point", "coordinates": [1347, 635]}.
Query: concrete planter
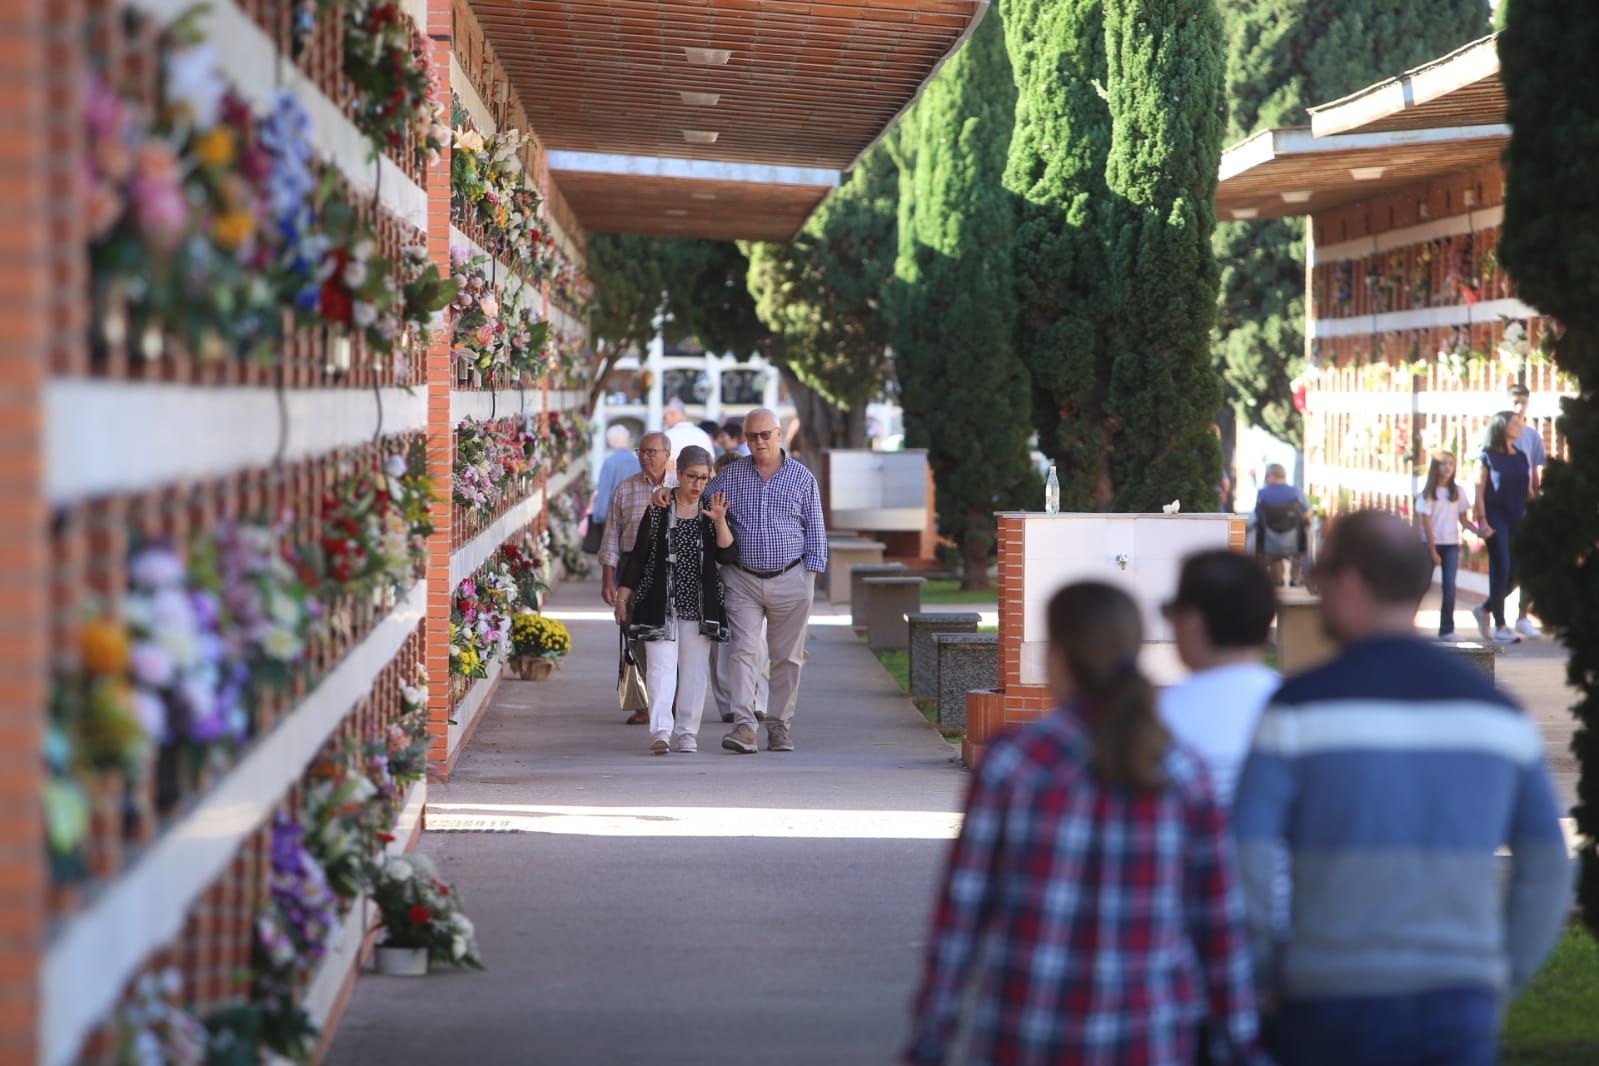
{"type": "Point", "coordinates": [533, 667]}
{"type": "Point", "coordinates": [402, 962]}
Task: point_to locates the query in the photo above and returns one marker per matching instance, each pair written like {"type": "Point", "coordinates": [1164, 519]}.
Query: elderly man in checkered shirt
{"type": "Point", "coordinates": [628, 503]}
{"type": "Point", "coordinates": [775, 509]}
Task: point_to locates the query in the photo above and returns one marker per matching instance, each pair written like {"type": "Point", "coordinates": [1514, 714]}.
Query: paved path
{"type": "Point", "coordinates": [681, 909]}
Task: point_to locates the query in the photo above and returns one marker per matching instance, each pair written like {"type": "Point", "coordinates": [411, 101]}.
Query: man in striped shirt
{"type": "Point", "coordinates": [775, 509]}
{"type": "Point", "coordinates": [1391, 776]}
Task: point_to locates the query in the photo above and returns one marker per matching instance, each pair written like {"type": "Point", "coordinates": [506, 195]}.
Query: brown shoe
{"type": "Point", "coordinates": [639, 718]}
{"type": "Point", "coordinates": [777, 738]}
{"type": "Point", "coordinates": [741, 740]}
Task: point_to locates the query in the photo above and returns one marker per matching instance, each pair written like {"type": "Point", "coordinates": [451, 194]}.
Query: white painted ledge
{"type": "Point", "coordinates": [690, 169]}
{"type": "Point", "coordinates": [1471, 222]}
{"type": "Point", "coordinates": [1487, 312]}
{"type": "Point", "coordinates": [1393, 400]}
{"type": "Point", "coordinates": [565, 479]}
{"type": "Point", "coordinates": [473, 707]}
{"type": "Point", "coordinates": [98, 950]}
{"type": "Point", "coordinates": [250, 61]}
{"type": "Point", "coordinates": [466, 559]}
{"type": "Point", "coordinates": [119, 436]}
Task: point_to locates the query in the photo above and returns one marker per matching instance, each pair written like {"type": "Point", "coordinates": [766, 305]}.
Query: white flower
{"type": "Point", "coordinates": [461, 924]}
{"type": "Point", "coordinates": [281, 644]}
{"type": "Point", "coordinates": [363, 314]}
{"type": "Point", "coordinates": [156, 568]}
{"type": "Point", "coordinates": [398, 869]}
{"type": "Point", "coordinates": [424, 865]}
{"type": "Point", "coordinates": [394, 466]}
{"type": "Point", "coordinates": [151, 665]}
{"type": "Point", "coordinates": [355, 273]}
{"type": "Point", "coordinates": [194, 84]}
{"type": "Point", "coordinates": [151, 713]}
{"type": "Point", "coordinates": [363, 249]}
{"type": "Point", "coordinates": [458, 947]}
{"type": "Point", "coordinates": [362, 789]}
{"type": "Point", "coordinates": [414, 695]}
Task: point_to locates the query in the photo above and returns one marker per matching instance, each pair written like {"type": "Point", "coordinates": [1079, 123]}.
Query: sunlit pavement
{"type": "Point", "coordinates": [708, 908]}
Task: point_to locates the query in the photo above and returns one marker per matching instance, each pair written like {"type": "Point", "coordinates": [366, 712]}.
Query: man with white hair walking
{"type": "Point", "coordinates": [618, 466]}
{"type": "Point", "coordinates": [775, 510]}
{"type": "Point", "coordinates": [682, 433]}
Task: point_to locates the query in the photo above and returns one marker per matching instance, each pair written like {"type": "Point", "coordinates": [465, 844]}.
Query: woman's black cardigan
{"type": "Point", "coordinates": [645, 574]}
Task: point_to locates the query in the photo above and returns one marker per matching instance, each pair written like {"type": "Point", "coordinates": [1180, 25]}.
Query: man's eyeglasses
{"type": "Point", "coordinates": [654, 451]}
{"type": "Point", "coordinates": [760, 434]}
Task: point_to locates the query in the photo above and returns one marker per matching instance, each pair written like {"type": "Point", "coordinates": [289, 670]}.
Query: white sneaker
{"type": "Point", "coordinates": [1527, 629]}
{"type": "Point", "coordinates": [685, 744]}
{"type": "Point", "coordinates": [1484, 626]}
{"type": "Point", "coordinates": [1450, 638]}
{"type": "Point", "coordinates": [1505, 636]}
{"type": "Point", "coordinates": [659, 745]}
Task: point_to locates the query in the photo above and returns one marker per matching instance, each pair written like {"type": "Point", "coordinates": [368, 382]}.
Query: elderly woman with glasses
{"type": "Point", "coordinates": [670, 594]}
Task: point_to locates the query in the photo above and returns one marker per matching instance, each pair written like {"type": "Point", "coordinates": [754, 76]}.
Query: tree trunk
{"type": "Point", "coordinates": [822, 424]}
{"type": "Point", "coordinates": [977, 548]}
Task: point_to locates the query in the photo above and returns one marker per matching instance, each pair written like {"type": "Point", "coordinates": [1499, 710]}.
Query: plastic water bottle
{"type": "Point", "coordinates": [1052, 492]}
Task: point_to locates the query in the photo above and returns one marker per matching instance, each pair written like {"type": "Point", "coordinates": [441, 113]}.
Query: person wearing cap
{"type": "Point", "coordinates": [1530, 444]}
{"type": "Point", "coordinates": [682, 433]}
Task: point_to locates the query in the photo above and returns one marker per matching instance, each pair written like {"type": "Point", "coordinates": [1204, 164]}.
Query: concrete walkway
{"type": "Point", "coordinates": [680, 909]}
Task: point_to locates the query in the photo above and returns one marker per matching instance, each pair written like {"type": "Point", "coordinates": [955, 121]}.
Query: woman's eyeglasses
{"type": "Point", "coordinates": [697, 479]}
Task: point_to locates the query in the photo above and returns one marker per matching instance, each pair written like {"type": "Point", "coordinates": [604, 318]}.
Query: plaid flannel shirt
{"type": "Point", "coordinates": [1114, 919]}
{"type": "Point", "coordinates": [774, 520]}
{"type": "Point", "coordinates": [628, 504]}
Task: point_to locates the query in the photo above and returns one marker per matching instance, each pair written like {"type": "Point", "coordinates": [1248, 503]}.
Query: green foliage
{"type": "Point", "coordinates": [1283, 56]}
{"type": "Point", "coordinates": [699, 285]}
{"type": "Point", "coordinates": [1056, 172]}
{"type": "Point", "coordinates": [1113, 164]}
{"type": "Point", "coordinates": [955, 302]}
{"type": "Point", "coordinates": [1165, 96]}
{"type": "Point", "coordinates": [821, 295]}
{"type": "Point", "coordinates": [1555, 1020]}
{"type": "Point", "coordinates": [1550, 245]}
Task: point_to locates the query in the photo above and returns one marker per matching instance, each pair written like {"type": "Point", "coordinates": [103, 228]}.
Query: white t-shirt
{"type": "Point", "coordinates": [685, 434]}
{"type": "Point", "coordinates": [1444, 514]}
{"type": "Point", "coordinates": [1214, 712]}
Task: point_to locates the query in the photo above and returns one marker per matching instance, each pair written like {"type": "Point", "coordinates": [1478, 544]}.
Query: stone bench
{"type": "Point", "coordinates": [966, 662]}
{"type": "Point", "coordinates": [844, 553]}
{"type": "Point", "coordinates": [858, 573]}
{"type": "Point", "coordinates": [888, 601]}
{"type": "Point", "coordinates": [924, 656]}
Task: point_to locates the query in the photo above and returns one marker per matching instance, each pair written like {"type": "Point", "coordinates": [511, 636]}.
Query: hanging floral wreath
{"type": "Point", "coordinates": [386, 61]}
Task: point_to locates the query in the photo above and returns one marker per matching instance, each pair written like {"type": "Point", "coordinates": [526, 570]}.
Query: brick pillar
{"type": "Point", "coordinates": [27, 201]}
{"type": "Point", "coordinates": [441, 443]}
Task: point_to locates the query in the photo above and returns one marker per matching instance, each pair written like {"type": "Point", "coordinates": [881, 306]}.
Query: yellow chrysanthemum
{"type": "Point", "coordinates": [214, 148]}
{"type": "Point", "coordinates": [232, 229]}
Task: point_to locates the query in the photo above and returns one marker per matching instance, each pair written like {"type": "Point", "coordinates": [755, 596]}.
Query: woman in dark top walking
{"type": "Point", "coordinates": [672, 591]}
{"type": "Point", "coordinates": [1504, 485]}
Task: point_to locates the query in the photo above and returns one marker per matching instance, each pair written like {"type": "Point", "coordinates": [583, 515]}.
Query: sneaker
{"type": "Point", "coordinates": [741, 740]}
{"type": "Point", "coordinates": [1528, 629]}
{"type": "Point", "coordinates": [639, 718]}
{"type": "Point", "coordinates": [685, 744]}
{"type": "Point", "coordinates": [1505, 636]}
{"type": "Point", "coordinates": [1484, 626]}
{"type": "Point", "coordinates": [660, 745]}
{"type": "Point", "coordinates": [777, 738]}
{"type": "Point", "coordinates": [1450, 638]}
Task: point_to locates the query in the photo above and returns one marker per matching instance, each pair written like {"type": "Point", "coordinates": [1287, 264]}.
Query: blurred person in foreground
{"type": "Point", "coordinates": [1221, 620]}
{"type": "Point", "coordinates": [1390, 776]}
{"type": "Point", "coordinates": [1095, 861]}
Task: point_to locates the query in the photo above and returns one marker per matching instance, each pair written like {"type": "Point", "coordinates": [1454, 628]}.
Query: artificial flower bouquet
{"type": "Point", "coordinates": [420, 910]}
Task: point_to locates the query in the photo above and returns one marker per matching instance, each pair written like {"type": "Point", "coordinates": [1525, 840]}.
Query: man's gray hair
{"type": "Point", "coordinates": [768, 412]}
{"type": "Point", "coordinates": [618, 436]}
{"type": "Point", "coordinates": [656, 435]}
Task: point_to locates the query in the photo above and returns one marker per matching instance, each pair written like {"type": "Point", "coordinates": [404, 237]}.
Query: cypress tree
{"type": "Point", "coordinates": [964, 390]}
{"type": "Point", "coordinates": [1065, 295]}
{"type": "Point", "coordinates": [1282, 57]}
{"type": "Point", "coordinates": [1164, 90]}
{"type": "Point", "coordinates": [1550, 244]}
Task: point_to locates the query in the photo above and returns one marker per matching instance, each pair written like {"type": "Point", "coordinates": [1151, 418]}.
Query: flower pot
{"type": "Point", "coordinates": [533, 667]}
{"type": "Point", "coordinates": [402, 962]}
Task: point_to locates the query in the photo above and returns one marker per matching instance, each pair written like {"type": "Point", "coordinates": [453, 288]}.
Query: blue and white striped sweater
{"type": "Point", "coordinates": [1391, 776]}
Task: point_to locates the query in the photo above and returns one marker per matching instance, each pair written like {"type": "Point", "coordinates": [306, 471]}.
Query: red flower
{"type": "Point", "coordinates": [386, 838]}
{"type": "Point", "coordinates": [419, 915]}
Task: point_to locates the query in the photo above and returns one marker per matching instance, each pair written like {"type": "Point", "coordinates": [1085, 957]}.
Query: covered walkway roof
{"type": "Point", "coordinates": [1440, 118]}
{"type": "Point", "coordinates": [715, 118]}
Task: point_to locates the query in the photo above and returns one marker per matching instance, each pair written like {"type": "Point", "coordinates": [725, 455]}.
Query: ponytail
{"type": "Point", "coordinates": [1098, 630]}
